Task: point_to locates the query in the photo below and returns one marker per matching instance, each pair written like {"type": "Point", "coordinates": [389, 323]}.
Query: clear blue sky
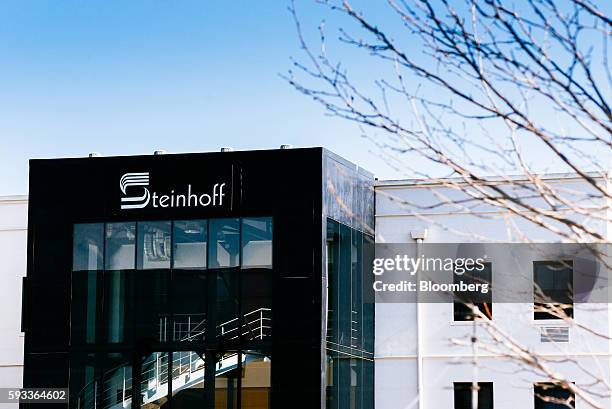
{"type": "Point", "coordinates": [131, 77]}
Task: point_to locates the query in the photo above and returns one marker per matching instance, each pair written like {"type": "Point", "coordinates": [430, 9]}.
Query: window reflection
{"type": "Point", "coordinates": [86, 298]}
{"type": "Point", "coordinates": [151, 318]}
{"type": "Point", "coordinates": [227, 324]}
{"type": "Point", "coordinates": [188, 380]}
{"type": "Point", "coordinates": [190, 240]}
{"type": "Point", "coordinates": [256, 381]}
{"type": "Point", "coordinates": [189, 301]}
{"type": "Point", "coordinates": [120, 246]}
{"type": "Point", "coordinates": [116, 308]}
{"type": "Point", "coordinates": [553, 281]}
{"type": "Point", "coordinates": [226, 381]}
{"type": "Point", "coordinates": [116, 386]}
{"type": "Point", "coordinates": [154, 380]}
{"type": "Point", "coordinates": [83, 382]}
{"type": "Point", "coordinates": [88, 246]}
{"type": "Point", "coordinates": [257, 242]}
{"type": "Point", "coordinates": [154, 245]}
{"type": "Point", "coordinates": [224, 250]}
{"type": "Point", "coordinates": [144, 283]}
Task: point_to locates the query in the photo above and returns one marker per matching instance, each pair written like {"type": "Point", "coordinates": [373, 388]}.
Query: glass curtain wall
{"type": "Point", "coordinates": [349, 338]}
{"type": "Point", "coordinates": [156, 305]}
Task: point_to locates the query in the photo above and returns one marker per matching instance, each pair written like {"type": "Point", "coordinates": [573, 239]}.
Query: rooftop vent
{"type": "Point", "coordinates": [227, 149]}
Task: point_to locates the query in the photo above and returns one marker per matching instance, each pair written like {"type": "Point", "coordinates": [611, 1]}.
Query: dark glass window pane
{"type": "Point", "coordinates": [256, 304]}
{"type": "Point", "coordinates": [368, 384]}
{"type": "Point", "coordinates": [88, 247]}
{"type": "Point", "coordinates": [356, 290]}
{"type": "Point", "coordinates": [463, 395]}
{"type": "Point", "coordinates": [332, 373]}
{"type": "Point", "coordinates": [368, 307]}
{"type": "Point", "coordinates": [189, 301]}
{"type": "Point", "coordinates": [257, 242]}
{"type": "Point", "coordinates": [226, 381]}
{"type": "Point", "coordinates": [118, 294]}
{"type": "Point", "coordinates": [344, 382]}
{"type": "Point", "coordinates": [116, 385]}
{"type": "Point", "coordinates": [344, 287]}
{"type": "Point", "coordinates": [549, 395]}
{"type": "Point", "coordinates": [86, 303]}
{"type": "Point", "coordinates": [553, 283]}
{"type": "Point", "coordinates": [84, 381]}
{"type": "Point", "coordinates": [154, 244]}
{"type": "Point", "coordinates": [152, 321]}
{"type": "Point", "coordinates": [224, 250]}
{"type": "Point", "coordinates": [190, 244]}
{"type": "Point", "coordinates": [333, 280]}
{"type": "Point", "coordinates": [484, 302]}
{"type": "Point", "coordinates": [154, 380]}
{"type": "Point", "coordinates": [227, 321]}
{"type": "Point", "coordinates": [120, 246]}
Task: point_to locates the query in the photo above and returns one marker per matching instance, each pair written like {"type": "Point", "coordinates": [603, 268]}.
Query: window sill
{"type": "Point", "coordinates": [555, 322]}
{"type": "Point", "coordinates": [465, 323]}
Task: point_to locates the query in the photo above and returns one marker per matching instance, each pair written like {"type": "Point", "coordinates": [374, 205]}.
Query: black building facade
{"type": "Point", "coordinates": [213, 280]}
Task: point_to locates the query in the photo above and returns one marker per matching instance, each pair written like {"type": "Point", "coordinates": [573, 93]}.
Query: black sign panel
{"type": "Point", "coordinates": [160, 186]}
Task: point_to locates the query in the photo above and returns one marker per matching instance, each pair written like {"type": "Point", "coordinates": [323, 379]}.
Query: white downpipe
{"type": "Point", "coordinates": [419, 237]}
{"type": "Point", "coordinates": [419, 343]}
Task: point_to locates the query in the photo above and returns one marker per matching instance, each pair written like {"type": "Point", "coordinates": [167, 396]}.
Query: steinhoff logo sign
{"type": "Point", "coordinates": [136, 194]}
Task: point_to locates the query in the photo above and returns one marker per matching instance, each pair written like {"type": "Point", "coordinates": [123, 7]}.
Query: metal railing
{"type": "Point", "coordinates": [116, 389]}
{"type": "Point", "coordinates": [185, 327]}
{"type": "Point", "coordinates": [256, 324]}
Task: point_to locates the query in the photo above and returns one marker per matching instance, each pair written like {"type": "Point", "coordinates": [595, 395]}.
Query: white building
{"type": "Point", "coordinates": [13, 245]}
{"type": "Point", "coordinates": [414, 347]}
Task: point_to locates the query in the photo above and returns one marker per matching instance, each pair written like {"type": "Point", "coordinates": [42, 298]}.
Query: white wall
{"type": "Point", "coordinates": [400, 211]}
{"type": "Point", "coordinates": [13, 244]}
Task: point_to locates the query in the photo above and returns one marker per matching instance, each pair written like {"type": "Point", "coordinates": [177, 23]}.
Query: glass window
{"type": "Point", "coordinates": [224, 249]}
{"type": "Point", "coordinates": [256, 304]}
{"type": "Point", "coordinates": [333, 279]}
{"type": "Point", "coordinates": [154, 380]}
{"type": "Point", "coordinates": [83, 381]}
{"type": "Point", "coordinates": [120, 250]}
{"type": "Point", "coordinates": [549, 395]}
{"type": "Point", "coordinates": [190, 240]}
{"type": "Point", "coordinates": [553, 283]}
{"type": "Point", "coordinates": [118, 305]}
{"type": "Point", "coordinates": [115, 390]}
{"type": "Point", "coordinates": [187, 393]}
{"type": "Point", "coordinates": [257, 242]}
{"type": "Point", "coordinates": [463, 395]}
{"type": "Point", "coordinates": [256, 381]}
{"type": "Point", "coordinates": [226, 319]}
{"type": "Point", "coordinates": [86, 305]}
{"type": "Point", "coordinates": [154, 244]}
{"type": "Point", "coordinates": [484, 302]}
{"type": "Point", "coordinates": [189, 299]}
{"type": "Point", "coordinates": [88, 247]}
{"type": "Point", "coordinates": [226, 381]}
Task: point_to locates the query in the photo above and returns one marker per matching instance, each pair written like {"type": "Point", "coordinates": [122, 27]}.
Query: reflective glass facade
{"type": "Point", "coordinates": [177, 281]}
{"type": "Point", "coordinates": [350, 326]}
{"type": "Point", "coordinates": [154, 287]}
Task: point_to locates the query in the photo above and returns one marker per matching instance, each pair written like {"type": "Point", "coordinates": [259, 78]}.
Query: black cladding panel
{"type": "Point", "coordinates": [285, 185]}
